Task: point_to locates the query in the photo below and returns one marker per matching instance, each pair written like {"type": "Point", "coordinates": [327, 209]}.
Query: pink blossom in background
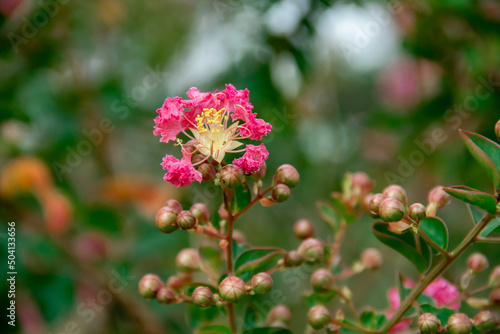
{"type": "Point", "coordinates": [443, 293]}
{"type": "Point", "coordinates": [215, 124]}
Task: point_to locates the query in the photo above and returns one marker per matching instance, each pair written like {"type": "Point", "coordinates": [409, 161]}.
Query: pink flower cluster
{"type": "Point", "coordinates": [214, 123]}
{"type": "Point", "coordinates": [442, 292]}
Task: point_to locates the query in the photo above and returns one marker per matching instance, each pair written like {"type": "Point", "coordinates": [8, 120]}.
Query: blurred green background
{"type": "Point", "coordinates": [373, 86]}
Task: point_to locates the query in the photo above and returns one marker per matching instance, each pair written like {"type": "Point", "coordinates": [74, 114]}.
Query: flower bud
{"type": "Point", "coordinates": [371, 258]}
{"type": "Point", "coordinates": [311, 250]}
{"type": "Point", "coordinates": [280, 193]}
{"type": "Point", "coordinates": [361, 183]}
{"type": "Point", "coordinates": [149, 286]}
{"type": "Point", "coordinates": [262, 283]}
{"type": "Point", "coordinates": [374, 205]}
{"type": "Point", "coordinates": [174, 205]}
{"type": "Point", "coordinates": [477, 262]}
{"type": "Point", "coordinates": [438, 196]}
{"type": "Point", "coordinates": [417, 211]}
{"type": "Point", "coordinates": [165, 296]}
{"type": "Point", "coordinates": [288, 175]}
{"type": "Point", "coordinates": [202, 297]}
{"type": "Point", "coordinates": [494, 280]}
{"type": "Point", "coordinates": [332, 329]}
{"type": "Point", "coordinates": [279, 313]}
{"type": "Point", "coordinates": [232, 289]}
{"type": "Point", "coordinates": [303, 229]}
{"type": "Point", "coordinates": [391, 210]}
{"type": "Point", "coordinates": [397, 192]}
{"type": "Point", "coordinates": [200, 211]}
{"type": "Point", "coordinates": [459, 323]}
{"type": "Point", "coordinates": [166, 220]}
{"type": "Point", "coordinates": [429, 323]}
{"type": "Point", "coordinates": [495, 297]}
{"type": "Point", "coordinates": [188, 260]}
{"type": "Point", "coordinates": [231, 176]}
{"type": "Point", "coordinates": [322, 280]}
{"type": "Point", "coordinates": [175, 282]}
{"type": "Point", "coordinates": [260, 173]}
{"type": "Point", "coordinates": [208, 172]}
{"type": "Point", "coordinates": [318, 317]}
{"type": "Point", "coordinates": [484, 322]}
{"type": "Point", "coordinates": [186, 220]}
{"type": "Point", "coordinates": [497, 129]}
{"type": "Point", "coordinates": [292, 259]}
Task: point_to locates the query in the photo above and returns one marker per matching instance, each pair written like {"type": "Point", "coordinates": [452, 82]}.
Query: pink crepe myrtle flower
{"type": "Point", "coordinates": [215, 123]}
{"type": "Point", "coordinates": [253, 158]}
{"type": "Point", "coordinates": [440, 291]}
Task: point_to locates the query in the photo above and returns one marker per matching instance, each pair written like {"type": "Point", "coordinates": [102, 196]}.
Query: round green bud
{"type": "Point", "coordinates": [200, 211]}
{"type": "Point", "coordinates": [166, 220]}
{"type": "Point", "coordinates": [495, 297]}
{"type": "Point", "coordinates": [311, 250]}
{"type": "Point", "coordinates": [186, 220]}
{"type": "Point", "coordinates": [165, 296]}
{"type": "Point", "coordinates": [397, 192]}
{"type": "Point", "coordinates": [288, 175]}
{"type": "Point", "coordinates": [417, 211]}
{"type": "Point", "coordinates": [459, 323]}
{"type": "Point", "coordinates": [374, 205]}
{"type": "Point", "coordinates": [484, 322]}
{"type": "Point", "coordinates": [202, 297]}
{"type": "Point", "coordinates": [429, 323]}
{"type": "Point", "coordinates": [231, 176]}
{"type": "Point", "coordinates": [279, 313]}
{"type": "Point", "coordinates": [232, 289]}
{"type": "Point", "coordinates": [188, 260]}
{"type": "Point", "coordinates": [303, 229]}
{"type": "Point", "coordinates": [149, 285]}
{"type": "Point", "coordinates": [280, 193]}
{"type": "Point", "coordinates": [208, 172]}
{"type": "Point", "coordinates": [322, 280]}
{"type": "Point", "coordinates": [391, 210]}
{"type": "Point", "coordinates": [318, 317]}
{"type": "Point", "coordinates": [174, 205]}
{"type": "Point", "coordinates": [292, 259]}
{"type": "Point", "coordinates": [262, 283]}
{"type": "Point", "coordinates": [477, 262]}
{"type": "Point", "coordinates": [371, 258]}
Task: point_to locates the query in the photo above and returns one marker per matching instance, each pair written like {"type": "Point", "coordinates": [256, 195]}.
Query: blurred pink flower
{"type": "Point", "coordinates": [443, 293]}
{"type": "Point", "coordinates": [253, 158]}
{"type": "Point", "coordinates": [216, 123]}
{"type": "Point", "coordinates": [440, 291]}
{"type": "Point", "coordinates": [405, 83]}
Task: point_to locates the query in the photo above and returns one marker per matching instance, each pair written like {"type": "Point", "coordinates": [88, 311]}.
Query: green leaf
{"type": "Point", "coordinates": [241, 197]}
{"type": "Point", "coordinates": [316, 298]}
{"type": "Point", "coordinates": [486, 152]}
{"type": "Point", "coordinates": [214, 329]}
{"type": "Point", "coordinates": [490, 228]}
{"type": "Point", "coordinates": [442, 313]}
{"type": "Point", "coordinates": [267, 330]}
{"type": "Point", "coordinates": [256, 260]}
{"type": "Point", "coordinates": [327, 212]}
{"type": "Point", "coordinates": [238, 249]}
{"type": "Point", "coordinates": [404, 244]}
{"type": "Point", "coordinates": [251, 318]}
{"type": "Point", "coordinates": [198, 316]}
{"type": "Point", "coordinates": [436, 229]}
{"type": "Point", "coordinates": [211, 257]}
{"type": "Point", "coordinates": [475, 197]}
{"type": "Point", "coordinates": [372, 320]}
{"type": "Point", "coordinates": [342, 210]}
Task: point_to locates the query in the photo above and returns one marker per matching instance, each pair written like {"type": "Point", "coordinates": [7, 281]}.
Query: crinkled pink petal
{"type": "Point", "coordinates": [180, 173]}
{"type": "Point", "coordinates": [198, 101]}
{"type": "Point", "coordinates": [443, 293]}
{"type": "Point", "coordinates": [258, 128]}
{"type": "Point", "coordinates": [235, 102]}
{"type": "Point", "coordinates": [393, 296]}
{"type": "Point", "coordinates": [168, 123]}
{"type": "Point", "coordinates": [253, 158]}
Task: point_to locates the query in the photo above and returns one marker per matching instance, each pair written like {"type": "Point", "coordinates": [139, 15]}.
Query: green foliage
{"type": "Point", "coordinates": [256, 260]}
{"type": "Point", "coordinates": [436, 229]}
{"type": "Point", "coordinates": [475, 197]}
